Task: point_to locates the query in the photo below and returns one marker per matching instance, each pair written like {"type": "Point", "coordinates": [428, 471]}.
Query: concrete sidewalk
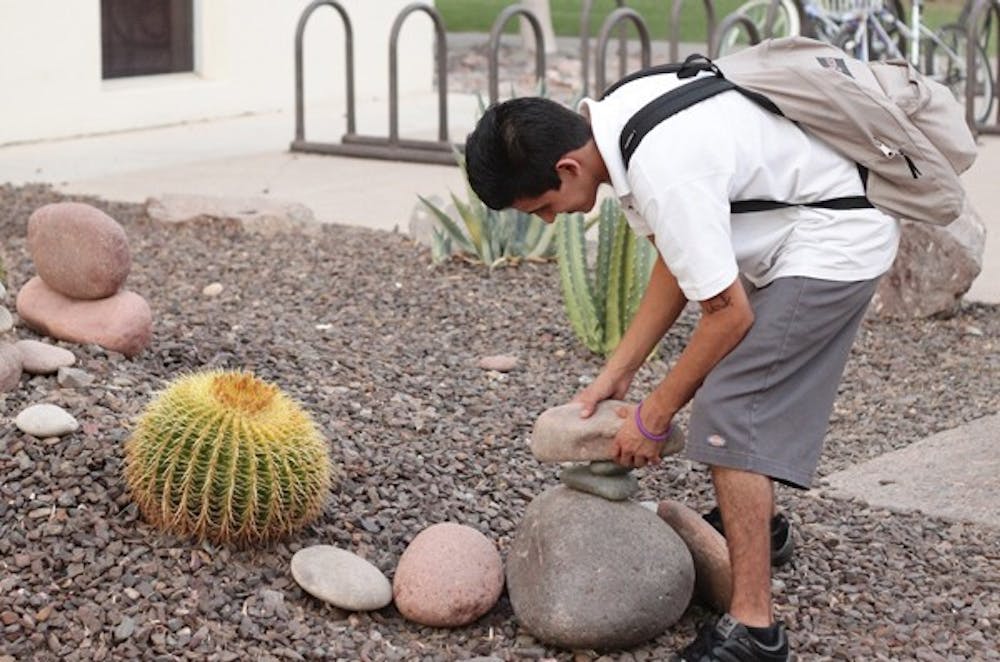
{"type": "Point", "coordinates": [952, 474]}
{"type": "Point", "coordinates": [248, 157]}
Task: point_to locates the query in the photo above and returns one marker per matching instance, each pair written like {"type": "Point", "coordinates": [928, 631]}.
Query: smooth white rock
{"type": "Point", "coordinates": [3, 292]}
{"type": "Point", "coordinates": [6, 319]}
{"type": "Point", "coordinates": [45, 420]}
{"type": "Point", "coordinates": [39, 358]}
{"type": "Point", "coordinates": [212, 290]}
{"type": "Point", "coordinates": [341, 578]}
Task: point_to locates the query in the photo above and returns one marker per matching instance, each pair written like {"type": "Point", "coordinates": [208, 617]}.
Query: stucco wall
{"type": "Point", "coordinates": [50, 65]}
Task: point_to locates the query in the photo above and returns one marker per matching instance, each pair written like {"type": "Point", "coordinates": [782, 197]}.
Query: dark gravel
{"type": "Point", "coordinates": [421, 435]}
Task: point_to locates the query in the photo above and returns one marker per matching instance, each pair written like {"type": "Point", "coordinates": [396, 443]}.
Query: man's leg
{"type": "Point", "coordinates": [746, 501]}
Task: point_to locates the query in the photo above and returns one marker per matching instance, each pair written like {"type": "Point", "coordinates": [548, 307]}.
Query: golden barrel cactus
{"type": "Point", "coordinates": [228, 457]}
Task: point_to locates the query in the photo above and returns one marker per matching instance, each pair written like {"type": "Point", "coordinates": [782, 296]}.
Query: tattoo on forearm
{"type": "Point", "coordinates": [717, 303]}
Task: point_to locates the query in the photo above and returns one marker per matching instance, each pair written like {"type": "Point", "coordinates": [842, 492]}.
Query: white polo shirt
{"type": "Point", "coordinates": [689, 167]}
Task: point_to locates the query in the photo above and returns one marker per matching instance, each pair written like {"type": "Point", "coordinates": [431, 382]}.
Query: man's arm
{"type": "Point", "coordinates": [659, 308]}
{"type": "Point", "coordinates": [725, 319]}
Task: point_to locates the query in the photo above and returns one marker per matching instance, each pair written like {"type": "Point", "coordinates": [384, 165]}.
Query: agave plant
{"type": "Point", "coordinates": [483, 235]}
{"type": "Point", "coordinates": [228, 457]}
{"type": "Point", "coordinates": [600, 302]}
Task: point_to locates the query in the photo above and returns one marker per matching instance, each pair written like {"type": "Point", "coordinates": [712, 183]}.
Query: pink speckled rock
{"type": "Point", "coordinates": [79, 251]}
{"type": "Point", "coordinates": [122, 323]}
{"type": "Point", "coordinates": [713, 583]}
{"type": "Point", "coordinates": [450, 575]}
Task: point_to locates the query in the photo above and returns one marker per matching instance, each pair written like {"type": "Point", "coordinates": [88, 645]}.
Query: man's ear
{"type": "Point", "coordinates": [568, 165]}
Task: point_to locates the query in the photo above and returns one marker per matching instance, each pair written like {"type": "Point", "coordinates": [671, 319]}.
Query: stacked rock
{"type": "Point", "coordinates": [587, 568]}
{"type": "Point", "coordinates": [82, 258]}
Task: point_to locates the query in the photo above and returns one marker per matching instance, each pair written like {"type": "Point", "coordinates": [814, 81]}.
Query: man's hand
{"type": "Point", "coordinates": [631, 449]}
{"type": "Point", "coordinates": [608, 385]}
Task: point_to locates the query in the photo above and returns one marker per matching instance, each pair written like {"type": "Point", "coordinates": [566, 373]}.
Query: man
{"type": "Point", "coordinates": [765, 358]}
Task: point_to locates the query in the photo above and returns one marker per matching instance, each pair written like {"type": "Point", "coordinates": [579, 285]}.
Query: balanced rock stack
{"type": "Point", "coordinates": [82, 258]}
{"type": "Point", "coordinates": [587, 568]}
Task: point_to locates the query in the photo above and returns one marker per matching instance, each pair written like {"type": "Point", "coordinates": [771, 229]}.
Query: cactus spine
{"type": "Point", "coordinates": [600, 306]}
{"type": "Point", "coordinates": [227, 457]}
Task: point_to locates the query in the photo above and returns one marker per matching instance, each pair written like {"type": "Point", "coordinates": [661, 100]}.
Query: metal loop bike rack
{"type": "Point", "coordinates": [498, 25]}
{"type": "Point", "coordinates": [391, 148]}
{"type": "Point", "coordinates": [675, 28]}
{"type": "Point", "coordinates": [300, 124]}
{"type": "Point", "coordinates": [979, 12]}
{"type": "Point", "coordinates": [616, 17]}
{"type": "Point", "coordinates": [585, 46]}
{"type": "Point", "coordinates": [753, 34]}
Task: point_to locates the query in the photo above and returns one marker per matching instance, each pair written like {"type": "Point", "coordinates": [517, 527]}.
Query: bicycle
{"type": "Point", "coordinates": [876, 33]}
{"type": "Point", "coordinates": [872, 30]}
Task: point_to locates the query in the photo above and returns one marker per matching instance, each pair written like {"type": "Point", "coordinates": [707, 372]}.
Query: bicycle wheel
{"type": "Point", "coordinates": [786, 24]}
{"type": "Point", "coordinates": [944, 61]}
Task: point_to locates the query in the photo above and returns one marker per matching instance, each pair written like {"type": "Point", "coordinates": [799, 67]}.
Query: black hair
{"type": "Point", "coordinates": [513, 151]}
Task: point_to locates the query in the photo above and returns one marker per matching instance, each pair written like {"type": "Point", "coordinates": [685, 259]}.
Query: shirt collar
{"type": "Point", "coordinates": [606, 135]}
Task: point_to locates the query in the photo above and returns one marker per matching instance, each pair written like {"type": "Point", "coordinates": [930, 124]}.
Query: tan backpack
{"type": "Point", "coordinates": [907, 133]}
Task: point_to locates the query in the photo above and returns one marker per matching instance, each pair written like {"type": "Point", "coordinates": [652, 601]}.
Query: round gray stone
{"type": "Point", "coordinates": [45, 420]}
{"type": "Point", "coordinates": [341, 578]}
{"type": "Point", "coordinates": [587, 573]}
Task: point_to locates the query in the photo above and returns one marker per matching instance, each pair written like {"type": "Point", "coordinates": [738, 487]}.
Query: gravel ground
{"type": "Point", "coordinates": [421, 435]}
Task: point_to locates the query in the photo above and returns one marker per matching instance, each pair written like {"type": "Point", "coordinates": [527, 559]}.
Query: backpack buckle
{"type": "Point", "coordinates": [696, 63]}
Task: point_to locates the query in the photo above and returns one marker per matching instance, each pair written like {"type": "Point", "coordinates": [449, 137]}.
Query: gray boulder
{"type": "Point", "coordinates": [587, 573]}
{"type": "Point", "coordinates": [934, 268]}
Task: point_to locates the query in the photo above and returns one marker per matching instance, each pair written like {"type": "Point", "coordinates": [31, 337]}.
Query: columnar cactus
{"type": "Point", "coordinates": [600, 306]}
{"type": "Point", "coordinates": [227, 457]}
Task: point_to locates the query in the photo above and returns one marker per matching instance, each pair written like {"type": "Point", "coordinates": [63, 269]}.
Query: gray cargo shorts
{"type": "Point", "coordinates": [766, 406]}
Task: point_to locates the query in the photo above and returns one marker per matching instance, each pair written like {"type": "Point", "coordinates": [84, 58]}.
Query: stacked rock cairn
{"type": "Point", "coordinates": [588, 568]}
{"type": "Point", "coordinates": [82, 258]}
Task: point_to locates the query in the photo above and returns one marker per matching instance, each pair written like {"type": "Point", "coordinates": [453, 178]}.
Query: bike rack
{"type": "Point", "coordinates": [585, 46]}
{"type": "Point", "coordinates": [675, 28]}
{"type": "Point", "coordinates": [300, 124]}
{"type": "Point", "coordinates": [620, 15]}
{"type": "Point", "coordinates": [734, 19]}
{"type": "Point", "coordinates": [391, 148]}
{"type": "Point", "coordinates": [979, 12]}
{"type": "Point", "coordinates": [498, 25]}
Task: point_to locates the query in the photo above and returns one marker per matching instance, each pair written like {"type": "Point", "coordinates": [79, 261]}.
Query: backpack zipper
{"type": "Point", "coordinates": [891, 153]}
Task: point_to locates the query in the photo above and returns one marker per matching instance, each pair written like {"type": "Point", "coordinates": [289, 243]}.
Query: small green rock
{"type": "Point", "coordinates": [613, 488]}
{"type": "Point", "coordinates": [607, 468]}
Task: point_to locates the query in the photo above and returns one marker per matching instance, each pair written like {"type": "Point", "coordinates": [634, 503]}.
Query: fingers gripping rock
{"type": "Point", "coordinates": [560, 435]}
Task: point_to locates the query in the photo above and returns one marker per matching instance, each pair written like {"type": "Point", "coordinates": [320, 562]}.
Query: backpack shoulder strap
{"type": "Point", "coordinates": [674, 101]}
{"type": "Point", "coordinates": [665, 106]}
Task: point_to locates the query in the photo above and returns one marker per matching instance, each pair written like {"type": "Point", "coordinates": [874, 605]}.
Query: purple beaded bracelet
{"type": "Point", "coordinates": [646, 433]}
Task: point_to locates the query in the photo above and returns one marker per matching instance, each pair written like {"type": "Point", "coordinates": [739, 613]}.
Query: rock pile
{"type": "Point", "coordinates": [589, 569]}
{"type": "Point", "coordinates": [82, 258]}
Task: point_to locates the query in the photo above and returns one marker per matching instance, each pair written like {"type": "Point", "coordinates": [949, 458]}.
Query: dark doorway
{"type": "Point", "coordinates": [145, 37]}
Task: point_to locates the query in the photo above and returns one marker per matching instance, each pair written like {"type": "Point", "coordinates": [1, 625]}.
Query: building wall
{"type": "Point", "coordinates": [50, 65]}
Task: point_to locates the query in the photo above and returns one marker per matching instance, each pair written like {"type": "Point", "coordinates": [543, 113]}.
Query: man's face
{"type": "Point", "coordinates": [577, 192]}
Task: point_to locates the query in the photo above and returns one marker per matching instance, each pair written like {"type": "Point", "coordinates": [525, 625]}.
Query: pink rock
{"type": "Point", "coordinates": [713, 574]}
{"type": "Point", "coordinates": [10, 368]}
{"type": "Point", "coordinates": [122, 323]}
{"type": "Point", "coordinates": [79, 251]}
{"type": "Point", "coordinates": [499, 362]}
{"type": "Point", "coordinates": [450, 575]}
